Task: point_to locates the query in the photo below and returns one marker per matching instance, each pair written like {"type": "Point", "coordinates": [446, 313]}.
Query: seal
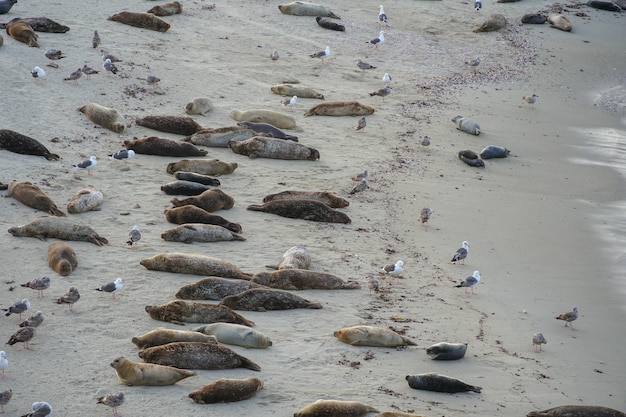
{"type": "Point", "coordinates": [577, 411]}
{"type": "Point", "coordinates": [22, 32]}
{"type": "Point", "coordinates": [179, 312]}
{"type": "Point", "coordinates": [371, 336]}
{"type": "Point", "coordinates": [471, 158]}
{"type": "Point", "coordinates": [494, 22]}
{"type": "Point", "coordinates": [187, 263]}
{"type": "Point", "coordinates": [141, 20]}
{"type": "Point", "coordinates": [492, 151]}
{"type": "Point", "coordinates": [5, 7]}
{"type": "Point", "coordinates": [25, 145]}
{"type": "Point", "coordinates": [265, 299]}
{"type": "Point", "coordinates": [534, 18]}
{"type": "Point", "coordinates": [137, 373]}
{"type": "Point", "coordinates": [199, 232]}
{"type": "Point", "coordinates": [236, 334]}
{"type": "Point", "coordinates": [302, 8]}
{"type": "Point", "coordinates": [328, 198]}
{"type": "Point", "coordinates": [84, 200]}
{"type": "Point", "coordinates": [604, 5]}
{"type": "Point", "coordinates": [196, 355]}
{"type": "Point", "coordinates": [59, 228]}
{"type": "Point", "coordinates": [182, 187]}
{"type": "Point", "coordinates": [326, 408]}
{"type": "Point", "coordinates": [103, 116]}
{"type": "Point", "coordinates": [266, 129]}
{"type": "Point", "coordinates": [180, 125]}
{"type": "Point", "coordinates": [340, 108]}
{"type": "Point", "coordinates": [209, 200]}
{"type": "Point", "coordinates": [41, 24]}
{"type": "Point", "coordinates": [193, 177]}
{"type": "Point", "coordinates": [226, 390]}
{"type": "Point", "coordinates": [303, 279]}
{"type": "Point", "coordinates": [215, 288]}
{"type": "Point", "coordinates": [280, 120]}
{"type": "Point", "coordinates": [198, 105]}
{"type": "Point", "coordinates": [31, 195]}
{"type": "Point", "coordinates": [329, 24]}
{"type": "Point", "coordinates": [466, 125]}
{"type": "Point", "coordinates": [296, 257]}
{"type": "Point", "coordinates": [560, 22]}
{"type": "Point", "coordinates": [62, 258]}
{"type": "Point", "coordinates": [299, 90]}
{"type": "Point", "coordinates": [193, 214]}
{"type": "Point", "coordinates": [162, 336]}
{"type": "Point", "coordinates": [445, 351]}
{"type": "Point", "coordinates": [440, 383]}
{"type": "Point", "coordinates": [302, 209]}
{"type": "Point", "coordinates": [152, 145]}
{"type": "Point", "coordinates": [202, 166]}
{"type": "Point", "coordinates": [262, 147]}
{"type": "Point", "coordinates": [167, 9]}
{"type": "Point", "coordinates": [219, 138]}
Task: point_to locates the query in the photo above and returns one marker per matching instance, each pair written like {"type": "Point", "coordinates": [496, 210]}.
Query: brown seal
{"type": "Point", "coordinates": [137, 373]}
{"type": "Point", "coordinates": [296, 257]}
{"type": "Point", "coordinates": [302, 209]}
{"type": "Point", "coordinates": [179, 312]}
{"type": "Point", "coordinates": [262, 147]}
{"type": "Point", "coordinates": [199, 232]}
{"type": "Point", "coordinates": [328, 198]}
{"type": "Point", "coordinates": [25, 145]}
{"type": "Point", "coordinates": [340, 108]}
{"type": "Point", "coordinates": [194, 214]}
{"type": "Point", "coordinates": [326, 408]}
{"type": "Point", "coordinates": [494, 22]}
{"type": "Point", "coordinates": [445, 351]}
{"type": "Point", "coordinates": [440, 383]}
{"type": "Point", "coordinates": [162, 336]}
{"type": "Point", "coordinates": [277, 119]}
{"type": "Point", "coordinates": [59, 228]}
{"type": "Point", "coordinates": [152, 145]}
{"type": "Point", "coordinates": [301, 8]}
{"type": "Point", "coordinates": [62, 258]}
{"type": "Point", "coordinates": [198, 105]}
{"type": "Point", "coordinates": [219, 138]}
{"type": "Point", "coordinates": [302, 279]}
{"type": "Point", "coordinates": [40, 24]}
{"type": "Point", "coordinates": [31, 195]}
{"type": "Point", "coordinates": [299, 90]}
{"type": "Point", "coordinates": [187, 263]}
{"type": "Point", "coordinates": [141, 20]}
{"type": "Point", "coordinates": [196, 355]}
{"type": "Point", "coordinates": [181, 125]}
{"type": "Point", "coordinates": [577, 411]}
{"type": "Point", "coordinates": [371, 336]}
{"type": "Point", "coordinates": [103, 116]}
{"type": "Point", "coordinates": [209, 200]}
{"type": "Point", "coordinates": [264, 299]}
{"type": "Point", "coordinates": [202, 166]}
{"type": "Point", "coordinates": [167, 9]}
{"type": "Point", "coordinates": [236, 334]}
{"type": "Point", "coordinates": [85, 199]}
{"type": "Point", "coordinates": [182, 187]}
{"type": "Point", "coordinates": [22, 32]}
{"type": "Point", "coordinates": [559, 21]}
{"type": "Point", "coordinates": [226, 390]}
{"type": "Point", "coordinates": [215, 288]}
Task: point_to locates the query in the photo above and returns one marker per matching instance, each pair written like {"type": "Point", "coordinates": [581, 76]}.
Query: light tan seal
{"type": "Point", "coordinates": [31, 195]}
{"type": "Point", "coordinates": [153, 145]}
{"type": "Point", "coordinates": [266, 299]}
{"type": "Point", "coordinates": [219, 137]}
{"type": "Point", "coordinates": [302, 209]}
{"type": "Point", "coordinates": [262, 147]}
{"type": "Point", "coordinates": [302, 8]}
{"type": "Point", "coordinates": [371, 336]}
{"type": "Point", "coordinates": [188, 263]}
{"type": "Point", "coordinates": [328, 198]}
{"type": "Point", "coordinates": [199, 232]}
{"type": "Point", "coordinates": [559, 21]}
{"type": "Point", "coordinates": [193, 214]}
{"type": "Point", "coordinates": [209, 200]}
{"type": "Point", "coordinates": [198, 105]}
{"type": "Point", "coordinates": [202, 166]}
{"type": "Point", "coordinates": [277, 119]}
{"type": "Point", "coordinates": [22, 32]}
{"type": "Point", "coordinates": [180, 125]}
{"type": "Point", "coordinates": [84, 200]}
{"type": "Point", "coordinates": [59, 228]}
{"type": "Point", "coordinates": [104, 116]}
{"type": "Point", "coordinates": [141, 20]}
{"type": "Point", "coordinates": [236, 334]}
{"type": "Point", "coordinates": [196, 355]}
{"type": "Point", "coordinates": [180, 312]}
{"type": "Point", "coordinates": [299, 90]}
{"type": "Point", "coordinates": [215, 288]}
{"type": "Point", "coordinates": [296, 257]}
{"type": "Point", "coordinates": [162, 336]}
{"type": "Point", "coordinates": [577, 411]}
{"type": "Point", "coordinates": [335, 408]}
{"type": "Point", "coordinates": [226, 390]}
{"type": "Point", "coordinates": [137, 373]}
{"type": "Point", "coordinates": [167, 9]}
{"type": "Point", "coordinates": [340, 108]}
{"type": "Point", "coordinates": [494, 22]}
{"type": "Point", "coordinates": [62, 258]}
{"type": "Point", "coordinates": [303, 279]}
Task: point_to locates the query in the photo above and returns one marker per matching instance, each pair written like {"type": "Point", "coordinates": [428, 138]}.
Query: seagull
{"type": "Point", "coordinates": [372, 283]}
{"type": "Point", "coordinates": [538, 340]}
{"type": "Point", "coordinates": [322, 54]}
{"type": "Point", "coordinates": [386, 78]}
{"type": "Point", "coordinates": [364, 66]}
{"type": "Point", "coordinates": [4, 363]}
{"type": "Point", "coordinates": [473, 62]}
{"type": "Point", "coordinates": [362, 123]}
{"type": "Point", "coordinates": [290, 102]}
{"type": "Point", "coordinates": [383, 92]}
{"type": "Point", "coordinates": [95, 41]}
{"type": "Point", "coordinates": [382, 17]}
{"type": "Point", "coordinates": [38, 284]}
{"type": "Point", "coordinates": [109, 66]}
{"type": "Point", "coordinates": [360, 187]}
{"type": "Point", "coordinates": [530, 99]}
{"type": "Point", "coordinates": [88, 164]}
{"type": "Point", "coordinates": [112, 400]}
{"type": "Point", "coordinates": [274, 55]}
{"type": "Point", "coordinates": [40, 409]}
{"type": "Point", "coordinates": [426, 141]}
{"type": "Point", "coordinates": [87, 70]}
{"type": "Point", "coordinates": [569, 317]}
{"type": "Point", "coordinates": [24, 335]}
{"type": "Point", "coordinates": [425, 215]}
{"type": "Point", "coordinates": [5, 397]}
{"type": "Point", "coordinates": [18, 308]}
{"type": "Point", "coordinates": [34, 321]}
{"type": "Point", "coordinates": [112, 287]}
{"type": "Point", "coordinates": [53, 55]}
{"type": "Point", "coordinates": [134, 236]}
{"type": "Point", "coordinates": [70, 298]}
{"type": "Point", "coordinates": [106, 55]}
{"type": "Point", "coordinates": [38, 72]}
{"type": "Point", "coordinates": [379, 40]}
{"type": "Point", "coordinates": [393, 269]}
{"type": "Point", "coordinates": [470, 282]}
{"type": "Point", "coordinates": [461, 253]}
{"type": "Point", "coordinates": [358, 177]}
{"type": "Point", "coordinates": [123, 154]}
{"type": "Point", "coordinates": [152, 80]}
{"type": "Point", "coordinates": [74, 76]}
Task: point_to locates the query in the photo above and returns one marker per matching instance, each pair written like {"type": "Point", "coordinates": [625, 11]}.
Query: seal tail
{"type": "Point", "coordinates": [409, 341]}
{"type": "Point", "coordinates": [252, 207]}
{"type": "Point", "coordinates": [248, 364]}
{"type": "Point", "coordinates": [351, 285]}
{"type": "Point", "coordinates": [237, 236]}
{"type": "Point", "coordinates": [333, 15]}
{"type": "Point", "coordinates": [56, 212]}
{"type": "Point", "coordinates": [311, 304]}
{"type": "Point", "coordinates": [474, 388]}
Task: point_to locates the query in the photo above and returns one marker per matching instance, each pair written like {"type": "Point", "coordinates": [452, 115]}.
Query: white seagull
{"type": "Point", "coordinates": [379, 40]}
{"type": "Point", "coordinates": [461, 253]}
{"type": "Point", "coordinates": [528, 99]}
{"type": "Point", "coordinates": [290, 102]}
{"type": "Point", "coordinates": [470, 282]}
{"type": "Point", "coordinates": [322, 54]}
{"type": "Point", "coordinates": [134, 236]}
{"type": "Point", "coordinates": [109, 66]}
{"type": "Point", "coordinates": [382, 17]}
{"type": "Point", "coordinates": [40, 409]}
{"type": "Point", "coordinates": [123, 154]}
{"type": "Point", "coordinates": [386, 78]}
{"type": "Point", "coordinates": [88, 164]}
{"type": "Point", "coordinates": [38, 73]}
{"type": "Point", "coordinates": [538, 340]}
{"type": "Point", "coordinates": [569, 317]}
{"type": "Point", "coordinates": [4, 363]}
{"type": "Point", "coordinates": [112, 287]}
{"type": "Point", "coordinates": [393, 269]}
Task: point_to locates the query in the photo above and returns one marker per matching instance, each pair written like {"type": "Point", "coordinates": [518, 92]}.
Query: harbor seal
{"type": "Point", "coordinates": [187, 263]}
{"type": "Point", "coordinates": [167, 9]}
{"type": "Point", "coordinates": [103, 116]}
{"type": "Point", "coordinates": [193, 214]}
{"type": "Point", "coordinates": [266, 129]}
{"type": "Point", "coordinates": [604, 5]}
{"type": "Point", "coordinates": [577, 411]}
{"type": "Point", "coordinates": [162, 336]}
{"type": "Point", "coordinates": [265, 299]}
{"type": "Point", "coordinates": [192, 176]}
{"type": "Point", "coordinates": [296, 257]}
{"type": "Point", "coordinates": [466, 125]}
{"type": "Point", "coordinates": [196, 355]}
{"type": "Point", "coordinates": [302, 209]}
{"type": "Point", "coordinates": [179, 312]}
{"type": "Point", "coordinates": [371, 336]}
{"type": "Point", "coordinates": [215, 288]}
{"type": "Point", "coordinates": [219, 138]}
{"type": "Point", "coordinates": [22, 32]}
{"type": "Point", "coordinates": [302, 8]}
{"type": "Point", "coordinates": [445, 351]}
{"type": "Point", "coordinates": [280, 120]}
{"type": "Point", "coordinates": [137, 373]}
{"type": "Point", "coordinates": [493, 151]}
{"type": "Point", "coordinates": [180, 125]}
{"type": "Point", "coordinates": [199, 232]}
{"type": "Point", "coordinates": [152, 145]}
{"type": "Point", "coordinates": [534, 18]}
{"type": "Point", "coordinates": [328, 198]}
{"type": "Point", "coordinates": [40, 24]}
{"type": "Point", "coordinates": [326, 23]}
{"type": "Point", "coordinates": [32, 196]}
{"type": "Point", "coordinates": [141, 20]}
{"type": "Point", "coordinates": [236, 334]}
{"type": "Point", "coordinates": [471, 158]}
{"type": "Point", "coordinates": [226, 390]}
{"type": "Point", "coordinates": [62, 258]}
{"type": "Point", "coordinates": [440, 383]}
{"type": "Point", "coordinates": [202, 166]}
{"type": "Point", "coordinates": [494, 22]}
{"type": "Point", "coordinates": [86, 199]}
{"type": "Point", "coordinates": [303, 279]}
{"type": "Point", "coordinates": [198, 105]}
{"type": "Point", "coordinates": [262, 147]}
{"type": "Point", "coordinates": [340, 108]}
{"type": "Point", "coordinates": [209, 200]}
{"type": "Point", "coordinates": [59, 228]}
{"type": "Point", "coordinates": [560, 22]}
{"type": "Point", "coordinates": [299, 90]}
{"type": "Point", "coordinates": [181, 187]}
{"type": "Point", "coordinates": [335, 408]}
{"type": "Point", "coordinates": [25, 145]}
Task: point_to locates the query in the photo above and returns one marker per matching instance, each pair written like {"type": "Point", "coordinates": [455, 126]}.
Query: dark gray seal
{"type": "Point", "coordinates": [152, 145]}
{"type": "Point", "coordinates": [40, 24]}
{"type": "Point", "coordinates": [269, 130]}
{"type": "Point", "coordinates": [326, 23]}
{"type": "Point", "coordinates": [262, 299]}
{"type": "Point", "coordinates": [577, 411]}
{"type": "Point", "coordinates": [445, 351]}
{"type": "Point", "coordinates": [440, 383]}
{"type": "Point", "coordinates": [25, 145]}
{"type": "Point", "coordinates": [604, 5]}
{"type": "Point", "coordinates": [302, 209]}
{"type": "Point", "coordinates": [202, 179]}
{"type": "Point", "coordinates": [493, 151]}
{"type": "Point", "coordinates": [181, 125]}
{"type": "Point", "coordinates": [215, 288]}
{"type": "Point", "coordinates": [182, 187]}
{"type": "Point", "coordinates": [194, 214]}
{"type": "Point", "coordinates": [196, 355]}
{"type": "Point", "coordinates": [471, 158]}
{"type": "Point", "coordinates": [263, 147]}
{"type": "Point", "coordinates": [534, 18]}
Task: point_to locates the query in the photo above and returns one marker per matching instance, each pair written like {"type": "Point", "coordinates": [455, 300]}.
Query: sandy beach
{"type": "Point", "coordinates": [544, 225]}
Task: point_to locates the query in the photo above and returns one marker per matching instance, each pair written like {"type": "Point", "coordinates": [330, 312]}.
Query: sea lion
{"type": "Point", "coordinates": [266, 129]}
{"type": "Point", "coordinates": [534, 18]}
{"type": "Point", "coordinates": [492, 151]}
{"type": "Point", "coordinates": [194, 214]}
{"type": "Point", "coordinates": [262, 147]}
{"type": "Point", "coordinates": [196, 355]}
{"type": "Point", "coordinates": [303, 279]}
{"type": "Point", "coordinates": [198, 105]}
{"type": "Point", "coordinates": [179, 312]}
{"type": "Point", "coordinates": [192, 176]}
{"type": "Point", "coordinates": [326, 197]}
{"type": "Point", "coordinates": [22, 32]}
{"type": "Point", "coordinates": [40, 24]}
{"type": "Point", "coordinates": [22, 144]}
{"type": "Point", "coordinates": [31, 195]}
{"type": "Point", "coordinates": [202, 166]}
{"type": "Point", "coordinates": [371, 336]}
{"type": "Point", "coordinates": [236, 334]}
{"type": "Point", "coordinates": [209, 200]}
{"type": "Point", "coordinates": [302, 209]}
{"type": "Point", "coordinates": [181, 187]}
{"type": "Point", "coordinates": [335, 408]}
{"type": "Point", "coordinates": [152, 145]}
{"type": "Point", "coordinates": [301, 8]}
{"type": "Point", "coordinates": [559, 21]}
{"type": "Point", "coordinates": [199, 232]}
{"type": "Point", "coordinates": [226, 390]}
{"type": "Point", "coordinates": [577, 411]}
{"type": "Point", "coordinates": [466, 125]}
{"type": "Point", "coordinates": [180, 125]}
{"type": "Point", "coordinates": [280, 120]}
{"type": "Point", "coordinates": [299, 90]}
{"type": "Point", "coordinates": [264, 299]}
{"type": "Point", "coordinates": [141, 20]}
{"type": "Point", "coordinates": [445, 351]}
{"type": "Point", "coordinates": [137, 373]}
{"type": "Point", "coordinates": [296, 257]}
{"type": "Point", "coordinates": [494, 22]}
{"type": "Point", "coordinates": [85, 199]}
{"type": "Point", "coordinates": [103, 116]}
{"type": "Point", "coordinates": [326, 23]}
{"type": "Point", "coordinates": [215, 288]}
{"type": "Point", "coordinates": [471, 158]}
{"type": "Point", "coordinates": [604, 5]}
{"type": "Point", "coordinates": [162, 336]}
{"type": "Point", "coordinates": [340, 108]}
{"type": "Point", "coordinates": [187, 263]}
{"type": "Point", "coordinates": [440, 383]}
{"type": "Point", "coordinates": [59, 228]}
{"type": "Point", "coordinates": [167, 9]}
{"type": "Point", "coordinates": [219, 138]}
{"type": "Point", "coordinates": [62, 258]}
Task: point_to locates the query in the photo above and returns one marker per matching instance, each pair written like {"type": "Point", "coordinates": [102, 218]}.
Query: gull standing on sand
{"type": "Point", "coordinates": [470, 282]}
{"type": "Point", "coordinates": [274, 55]}
{"type": "Point", "coordinates": [4, 363]}
{"type": "Point", "coordinates": [364, 66]}
{"type": "Point", "coordinates": [38, 73]}
{"type": "Point", "coordinates": [152, 80]}
{"type": "Point", "coordinates": [95, 41]}
{"type": "Point", "coordinates": [70, 298]}
{"type": "Point", "coordinates": [372, 283]}
{"type": "Point", "coordinates": [87, 70]}
{"type": "Point", "coordinates": [359, 177]}
{"type": "Point", "coordinates": [123, 154]}
{"type": "Point", "coordinates": [461, 253]}
{"type": "Point", "coordinates": [322, 54]}
{"type": "Point", "coordinates": [134, 236]}
{"type": "Point", "coordinates": [113, 401]}
{"type": "Point", "coordinates": [290, 102]}
{"type": "Point", "coordinates": [425, 215]}
{"type": "Point", "coordinates": [379, 40]}
{"type": "Point", "coordinates": [383, 92]}
{"type": "Point", "coordinates": [569, 317]}
{"type": "Point", "coordinates": [112, 287]}
{"type": "Point", "coordinates": [18, 308]}
{"type": "Point", "coordinates": [382, 17]}
{"type": "Point", "coordinates": [5, 397]}
{"type": "Point", "coordinates": [362, 123]}
{"type": "Point", "coordinates": [530, 99]}
{"type": "Point", "coordinates": [478, 5]}
{"type": "Point", "coordinates": [109, 66]}
{"type": "Point", "coordinates": [360, 187]}
{"type": "Point", "coordinates": [24, 335]}
{"type": "Point", "coordinates": [538, 340]}
{"type": "Point", "coordinates": [88, 164]}
{"type": "Point", "coordinates": [53, 55]}
{"type": "Point", "coordinates": [34, 320]}
{"type": "Point", "coordinates": [473, 63]}
{"type": "Point", "coordinates": [425, 141]}
{"type": "Point", "coordinates": [40, 409]}
{"type": "Point", "coordinates": [38, 284]}
{"type": "Point", "coordinates": [393, 269]}
{"type": "Point", "coordinates": [386, 78]}
{"type": "Point", "coordinates": [74, 76]}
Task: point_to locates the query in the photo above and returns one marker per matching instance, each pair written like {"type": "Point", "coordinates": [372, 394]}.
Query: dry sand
{"type": "Point", "coordinates": [538, 223]}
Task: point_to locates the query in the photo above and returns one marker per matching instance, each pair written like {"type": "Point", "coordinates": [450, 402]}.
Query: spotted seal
{"type": "Point", "coordinates": [560, 22]}
{"type": "Point", "coordinates": [62, 258]}
{"type": "Point", "coordinates": [104, 116]}
{"type": "Point", "coordinates": [290, 90]}
{"type": "Point", "coordinates": [180, 311]}
{"type": "Point", "coordinates": [336, 408]}
{"type": "Point", "coordinates": [199, 232]}
{"type": "Point", "coordinates": [303, 279]}
{"type": "Point", "coordinates": [192, 176]}
{"type": "Point", "coordinates": [302, 209]}
{"type": "Point", "coordinates": [180, 125]}
{"type": "Point", "coordinates": [59, 228]}
{"type": "Point", "coordinates": [209, 200]}
{"type": "Point", "coordinates": [263, 299]}
{"type": "Point", "coordinates": [202, 166]}
{"type": "Point", "coordinates": [493, 151]}
{"type": "Point", "coordinates": [152, 145]}
{"type": "Point", "coordinates": [471, 158]}
{"type": "Point", "coordinates": [280, 120]}
{"type": "Point", "coordinates": [225, 390]}
{"type": "Point", "coordinates": [137, 373]}
{"type": "Point", "coordinates": [25, 145]}
{"type": "Point", "coordinates": [86, 199]}
{"type": "Point", "coordinates": [534, 18]}
{"type": "Point", "coordinates": [326, 197]}
{"type": "Point", "coordinates": [236, 334]}
{"type": "Point", "coordinates": [219, 138]}
{"type": "Point", "coordinates": [141, 20]}
{"type": "Point", "coordinates": [215, 288]}
{"type": "Point", "coordinates": [193, 214]}
{"type": "Point", "coordinates": [296, 257]}
{"type": "Point", "coordinates": [340, 108]}
{"type": "Point", "coordinates": [196, 355]}
{"type": "Point", "coordinates": [262, 147]}
{"type": "Point", "coordinates": [167, 9]}
{"type": "Point", "coordinates": [466, 125]}
{"type": "Point", "coordinates": [187, 263]}
{"type": "Point", "coordinates": [266, 129]}
{"type": "Point", "coordinates": [302, 8]}
{"type": "Point", "coordinates": [162, 336]}
{"type": "Point", "coordinates": [181, 187]}
{"type": "Point", "coordinates": [371, 336]}
{"type": "Point", "coordinates": [198, 105]}
{"type": "Point", "coordinates": [577, 411]}
{"type": "Point", "coordinates": [440, 383]}
{"type": "Point", "coordinates": [446, 351]}
{"type": "Point", "coordinates": [31, 195]}
{"type": "Point", "coordinates": [604, 5]}
{"type": "Point", "coordinates": [494, 22]}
